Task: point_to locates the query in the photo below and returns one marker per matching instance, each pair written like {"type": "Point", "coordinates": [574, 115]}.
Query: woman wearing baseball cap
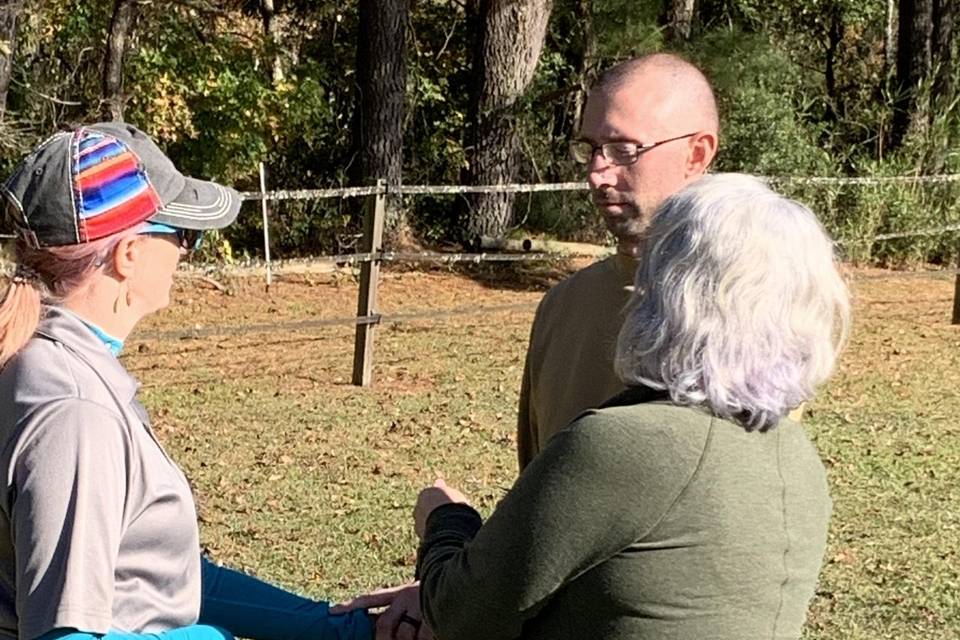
{"type": "Point", "coordinates": [98, 530]}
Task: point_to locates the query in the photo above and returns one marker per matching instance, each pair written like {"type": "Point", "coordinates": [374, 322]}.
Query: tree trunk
{"type": "Point", "coordinates": [510, 36]}
{"type": "Point", "coordinates": [914, 64]}
{"type": "Point", "coordinates": [944, 15]}
{"type": "Point", "coordinates": [9, 14]}
{"type": "Point", "coordinates": [271, 30]}
{"type": "Point", "coordinates": [678, 19]}
{"type": "Point", "coordinates": [834, 37]}
{"type": "Point", "coordinates": [381, 77]}
{"type": "Point", "coordinates": [586, 73]}
{"type": "Point", "coordinates": [111, 93]}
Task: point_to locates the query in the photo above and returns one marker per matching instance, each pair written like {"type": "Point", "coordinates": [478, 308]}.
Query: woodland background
{"type": "Point", "coordinates": [306, 479]}
{"type": "Point", "coordinates": [490, 91]}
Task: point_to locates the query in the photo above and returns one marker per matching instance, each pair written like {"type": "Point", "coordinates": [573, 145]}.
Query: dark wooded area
{"type": "Point", "coordinates": [487, 92]}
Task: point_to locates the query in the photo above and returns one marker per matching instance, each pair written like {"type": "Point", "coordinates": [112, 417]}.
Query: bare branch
{"type": "Point", "coordinates": [446, 42]}
{"type": "Point", "coordinates": [66, 103]}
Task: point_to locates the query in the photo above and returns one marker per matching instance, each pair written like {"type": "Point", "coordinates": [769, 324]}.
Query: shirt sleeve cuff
{"type": "Point", "coordinates": [448, 525]}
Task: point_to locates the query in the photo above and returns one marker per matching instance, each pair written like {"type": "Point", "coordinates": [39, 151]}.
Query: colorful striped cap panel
{"type": "Point", "coordinates": [112, 190]}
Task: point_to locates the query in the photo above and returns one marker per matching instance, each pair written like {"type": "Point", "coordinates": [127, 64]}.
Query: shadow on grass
{"type": "Point", "coordinates": [536, 275]}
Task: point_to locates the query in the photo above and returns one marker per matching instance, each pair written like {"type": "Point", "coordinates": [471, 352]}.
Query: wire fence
{"type": "Point", "coordinates": [853, 245]}
{"type": "Point", "coordinates": [407, 190]}
{"type": "Point", "coordinates": [306, 325]}
{"type": "Point", "coordinates": [280, 195]}
{"type": "Point", "coordinates": [366, 321]}
{"type": "Point", "coordinates": [299, 326]}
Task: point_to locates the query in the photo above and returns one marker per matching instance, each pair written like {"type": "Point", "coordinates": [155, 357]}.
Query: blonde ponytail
{"type": "Point", "coordinates": [45, 275]}
{"type": "Point", "coordinates": [19, 314]}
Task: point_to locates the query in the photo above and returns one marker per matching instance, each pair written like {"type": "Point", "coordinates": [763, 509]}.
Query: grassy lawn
{"type": "Point", "coordinates": [308, 481]}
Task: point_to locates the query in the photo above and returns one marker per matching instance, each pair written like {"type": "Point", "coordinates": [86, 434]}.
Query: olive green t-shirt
{"type": "Point", "coordinates": [569, 363]}
{"type": "Point", "coordinates": [648, 521]}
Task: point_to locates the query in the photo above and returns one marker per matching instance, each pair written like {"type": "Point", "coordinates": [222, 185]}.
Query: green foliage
{"type": "Point", "coordinates": [438, 68]}
{"type": "Point", "coordinates": [55, 74]}
{"type": "Point", "coordinates": [627, 28]}
{"type": "Point", "coordinates": [774, 123]}
{"type": "Point", "coordinates": [761, 94]}
{"type": "Point", "coordinates": [201, 83]}
{"type": "Point", "coordinates": [212, 100]}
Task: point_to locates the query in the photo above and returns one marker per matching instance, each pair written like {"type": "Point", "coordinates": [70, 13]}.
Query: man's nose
{"type": "Point", "coordinates": [599, 170]}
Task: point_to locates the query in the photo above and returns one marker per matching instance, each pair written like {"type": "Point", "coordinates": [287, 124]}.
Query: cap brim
{"type": "Point", "coordinates": [201, 205]}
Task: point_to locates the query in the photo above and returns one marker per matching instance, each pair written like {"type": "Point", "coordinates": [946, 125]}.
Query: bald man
{"type": "Point", "coordinates": [649, 128]}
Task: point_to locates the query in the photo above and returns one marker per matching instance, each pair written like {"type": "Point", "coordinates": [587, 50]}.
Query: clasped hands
{"type": "Point", "coordinates": [402, 618]}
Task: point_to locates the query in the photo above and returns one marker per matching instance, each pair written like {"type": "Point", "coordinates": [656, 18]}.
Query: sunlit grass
{"type": "Point", "coordinates": [309, 482]}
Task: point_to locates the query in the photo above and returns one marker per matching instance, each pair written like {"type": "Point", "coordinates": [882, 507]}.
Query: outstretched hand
{"type": "Point", "coordinates": [401, 620]}
{"type": "Point", "coordinates": [431, 498]}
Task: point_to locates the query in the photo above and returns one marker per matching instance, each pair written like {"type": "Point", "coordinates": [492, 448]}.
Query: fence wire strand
{"type": "Point", "coordinates": [355, 192]}
{"type": "Point", "coordinates": [405, 190]}
{"type": "Point", "coordinates": [399, 318]}
{"type": "Point", "coordinates": [301, 325]}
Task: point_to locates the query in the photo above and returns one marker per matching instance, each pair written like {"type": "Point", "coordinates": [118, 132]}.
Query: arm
{"type": "Point", "coordinates": [192, 632]}
{"type": "Point", "coordinates": [68, 486]}
{"type": "Point", "coordinates": [527, 424]}
{"type": "Point", "coordinates": [254, 609]}
{"type": "Point", "coordinates": [596, 488]}
{"type": "Point", "coordinates": [526, 421]}
{"type": "Point", "coordinates": [401, 620]}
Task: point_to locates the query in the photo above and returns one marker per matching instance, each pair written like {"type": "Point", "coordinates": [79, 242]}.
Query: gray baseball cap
{"type": "Point", "coordinates": [105, 178]}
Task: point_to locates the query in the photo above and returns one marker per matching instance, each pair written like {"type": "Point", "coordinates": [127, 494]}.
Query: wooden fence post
{"type": "Point", "coordinates": [367, 316]}
{"type": "Point", "coordinates": [956, 296]}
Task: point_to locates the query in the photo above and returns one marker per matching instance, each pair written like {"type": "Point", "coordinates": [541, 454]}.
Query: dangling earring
{"type": "Point", "coordinates": [123, 297]}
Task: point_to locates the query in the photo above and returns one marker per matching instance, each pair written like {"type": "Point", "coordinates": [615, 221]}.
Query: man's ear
{"type": "Point", "coordinates": [703, 147]}
{"type": "Point", "coordinates": [125, 255]}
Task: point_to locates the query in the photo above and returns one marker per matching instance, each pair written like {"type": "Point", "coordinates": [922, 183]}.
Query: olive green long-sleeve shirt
{"type": "Point", "coordinates": [641, 521]}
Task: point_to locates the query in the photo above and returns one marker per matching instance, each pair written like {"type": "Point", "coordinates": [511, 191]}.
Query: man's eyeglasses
{"type": "Point", "coordinates": [619, 152]}
{"type": "Point", "coordinates": [186, 239]}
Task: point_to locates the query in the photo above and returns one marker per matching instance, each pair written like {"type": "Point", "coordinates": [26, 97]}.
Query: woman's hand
{"type": "Point", "coordinates": [401, 620]}
{"type": "Point", "coordinates": [431, 498]}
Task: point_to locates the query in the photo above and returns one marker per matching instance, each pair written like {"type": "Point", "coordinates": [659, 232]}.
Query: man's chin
{"type": "Point", "coordinates": [624, 227]}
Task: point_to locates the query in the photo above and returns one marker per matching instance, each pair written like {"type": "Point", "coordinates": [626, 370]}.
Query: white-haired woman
{"type": "Point", "coordinates": [690, 506]}
{"type": "Point", "coordinates": [98, 528]}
